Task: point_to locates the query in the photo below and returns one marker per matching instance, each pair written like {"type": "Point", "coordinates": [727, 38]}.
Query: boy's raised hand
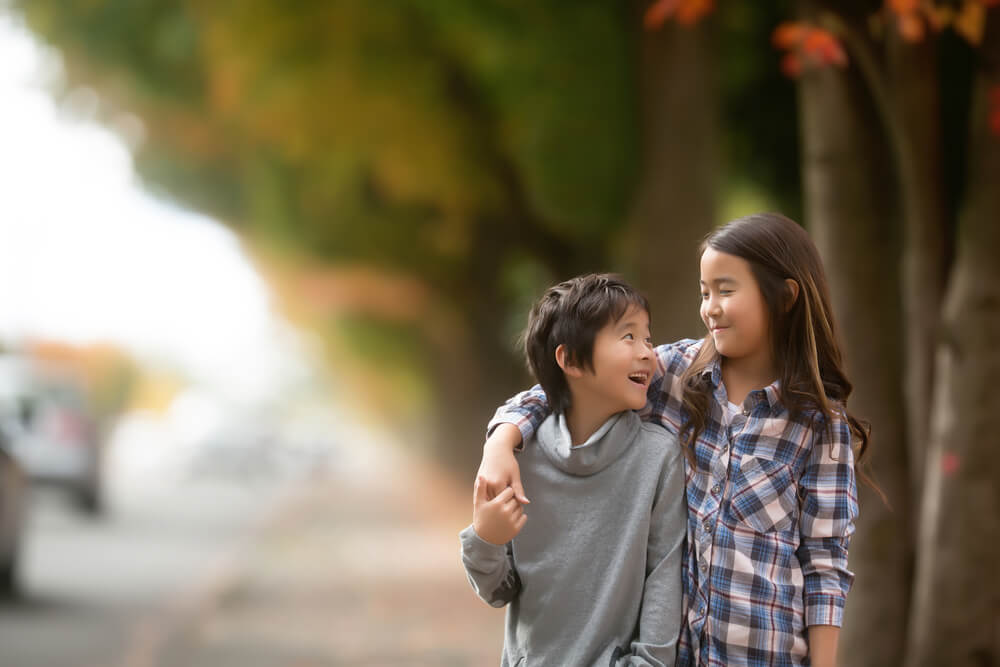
{"type": "Point", "coordinates": [499, 520]}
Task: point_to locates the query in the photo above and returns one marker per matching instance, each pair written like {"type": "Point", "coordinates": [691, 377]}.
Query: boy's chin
{"type": "Point", "coordinates": [636, 405]}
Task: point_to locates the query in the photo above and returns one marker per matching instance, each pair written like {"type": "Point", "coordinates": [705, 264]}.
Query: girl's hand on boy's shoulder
{"type": "Point", "coordinates": [499, 520]}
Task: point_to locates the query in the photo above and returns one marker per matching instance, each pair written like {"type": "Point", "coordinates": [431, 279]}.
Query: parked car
{"type": "Point", "coordinates": [13, 501]}
{"type": "Point", "coordinates": [51, 431]}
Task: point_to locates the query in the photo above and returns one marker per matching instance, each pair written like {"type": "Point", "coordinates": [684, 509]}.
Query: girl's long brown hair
{"type": "Point", "coordinates": [805, 345]}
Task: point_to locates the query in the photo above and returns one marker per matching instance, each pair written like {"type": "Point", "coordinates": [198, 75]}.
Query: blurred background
{"type": "Point", "coordinates": [263, 267]}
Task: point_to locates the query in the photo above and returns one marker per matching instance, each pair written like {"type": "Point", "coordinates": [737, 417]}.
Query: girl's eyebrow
{"type": "Point", "coordinates": [723, 279]}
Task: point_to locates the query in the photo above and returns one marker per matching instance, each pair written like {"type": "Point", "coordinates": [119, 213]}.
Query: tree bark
{"type": "Point", "coordinates": [912, 72]}
{"type": "Point", "coordinates": [956, 611]}
{"type": "Point", "coordinates": [850, 210]}
{"type": "Point", "coordinates": [674, 201]}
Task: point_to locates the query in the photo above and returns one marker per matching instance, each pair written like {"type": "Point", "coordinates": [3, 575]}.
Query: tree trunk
{"type": "Point", "coordinates": [956, 611]}
{"type": "Point", "coordinates": [915, 92]}
{"type": "Point", "coordinates": [850, 210]}
{"type": "Point", "coordinates": [674, 204]}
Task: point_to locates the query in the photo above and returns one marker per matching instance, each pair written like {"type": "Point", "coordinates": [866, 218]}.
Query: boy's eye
{"type": "Point", "coordinates": [628, 336]}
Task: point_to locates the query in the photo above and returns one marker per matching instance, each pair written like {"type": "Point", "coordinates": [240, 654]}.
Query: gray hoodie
{"type": "Point", "coordinates": [594, 577]}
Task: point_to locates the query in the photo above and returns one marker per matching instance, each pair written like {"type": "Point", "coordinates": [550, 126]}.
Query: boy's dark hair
{"type": "Point", "coordinates": [571, 313]}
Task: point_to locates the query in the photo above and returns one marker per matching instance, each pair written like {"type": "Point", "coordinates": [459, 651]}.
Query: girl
{"type": "Point", "coordinates": [760, 407]}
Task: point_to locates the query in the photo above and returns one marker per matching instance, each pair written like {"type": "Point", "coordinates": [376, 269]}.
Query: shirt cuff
{"type": "Point", "coordinates": [480, 550]}
{"type": "Point", "coordinates": [824, 609]}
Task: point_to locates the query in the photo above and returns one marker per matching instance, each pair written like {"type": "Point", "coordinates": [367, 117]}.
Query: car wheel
{"type": "Point", "coordinates": [8, 578]}
{"type": "Point", "coordinates": [89, 501]}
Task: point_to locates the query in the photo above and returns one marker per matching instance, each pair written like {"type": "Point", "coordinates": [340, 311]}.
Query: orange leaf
{"type": "Point", "coordinates": [971, 22]}
{"type": "Point", "coordinates": [791, 65]}
{"type": "Point", "coordinates": [911, 27]}
{"type": "Point", "coordinates": [788, 34]}
{"type": "Point", "coordinates": [822, 47]}
{"type": "Point", "coordinates": [939, 17]}
{"type": "Point", "coordinates": [658, 13]}
{"type": "Point", "coordinates": [989, 3]}
{"type": "Point", "coordinates": [903, 7]}
{"type": "Point", "coordinates": [690, 12]}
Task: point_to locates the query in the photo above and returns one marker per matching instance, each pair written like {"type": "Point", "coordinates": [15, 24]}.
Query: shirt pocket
{"type": "Point", "coordinates": [764, 496]}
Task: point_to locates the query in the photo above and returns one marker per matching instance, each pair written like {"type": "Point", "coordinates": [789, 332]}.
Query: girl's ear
{"type": "Point", "coordinates": [567, 366]}
{"type": "Point", "coordinates": [791, 293]}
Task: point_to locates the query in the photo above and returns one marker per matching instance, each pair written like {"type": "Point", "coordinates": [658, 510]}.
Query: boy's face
{"type": "Point", "coordinates": [622, 365]}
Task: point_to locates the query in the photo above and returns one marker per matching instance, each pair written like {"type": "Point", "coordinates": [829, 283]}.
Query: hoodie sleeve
{"type": "Point", "coordinates": [490, 568]}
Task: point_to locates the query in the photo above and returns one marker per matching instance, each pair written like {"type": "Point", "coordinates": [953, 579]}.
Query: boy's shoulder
{"type": "Point", "coordinates": [659, 441]}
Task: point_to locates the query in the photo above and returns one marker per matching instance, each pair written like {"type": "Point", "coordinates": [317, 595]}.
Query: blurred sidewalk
{"type": "Point", "coordinates": [361, 568]}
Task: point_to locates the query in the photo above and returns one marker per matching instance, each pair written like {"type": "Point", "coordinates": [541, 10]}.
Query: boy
{"type": "Point", "coordinates": [594, 577]}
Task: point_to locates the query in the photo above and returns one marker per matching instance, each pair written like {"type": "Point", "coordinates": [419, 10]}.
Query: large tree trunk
{"type": "Point", "coordinates": [915, 92]}
{"type": "Point", "coordinates": [956, 611]}
{"type": "Point", "coordinates": [674, 204]}
{"type": "Point", "coordinates": [849, 204]}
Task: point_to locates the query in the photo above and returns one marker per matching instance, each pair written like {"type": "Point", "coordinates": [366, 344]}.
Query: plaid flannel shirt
{"type": "Point", "coordinates": [771, 508]}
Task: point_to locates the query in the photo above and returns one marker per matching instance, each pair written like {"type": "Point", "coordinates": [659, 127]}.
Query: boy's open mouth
{"type": "Point", "coordinates": [639, 377]}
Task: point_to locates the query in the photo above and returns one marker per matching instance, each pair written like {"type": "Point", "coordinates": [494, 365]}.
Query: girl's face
{"type": "Point", "coordinates": [732, 306]}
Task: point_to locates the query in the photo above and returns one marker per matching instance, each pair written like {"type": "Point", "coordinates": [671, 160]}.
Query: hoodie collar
{"type": "Point", "coordinates": [601, 449]}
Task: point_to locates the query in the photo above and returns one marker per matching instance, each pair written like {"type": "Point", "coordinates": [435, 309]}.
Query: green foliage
{"type": "Point", "coordinates": [758, 106]}
{"type": "Point", "coordinates": [408, 118]}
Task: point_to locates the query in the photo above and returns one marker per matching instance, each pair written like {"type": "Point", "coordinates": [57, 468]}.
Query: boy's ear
{"type": "Point", "coordinates": [567, 366]}
{"type": "Point", "coordinates": [791, 293]}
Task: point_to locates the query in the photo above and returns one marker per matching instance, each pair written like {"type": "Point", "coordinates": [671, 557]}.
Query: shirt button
{"type": "Point", "coordinates": [746, 411]}
{"type": "Point", "coordinates": [716, 489]}
{"type": "Point", "coordinates": [704, 566]}
{"type": "Point", "coordinates": [708, 525]}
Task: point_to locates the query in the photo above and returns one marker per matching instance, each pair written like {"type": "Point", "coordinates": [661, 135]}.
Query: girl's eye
{"type": "Point", "coordinates": [724, 292]}
{"type": "Point", "coordinates": [704, 295]}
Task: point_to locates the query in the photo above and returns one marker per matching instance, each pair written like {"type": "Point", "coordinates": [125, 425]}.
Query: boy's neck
{"type": "Point", "coordinates": [584, 417]}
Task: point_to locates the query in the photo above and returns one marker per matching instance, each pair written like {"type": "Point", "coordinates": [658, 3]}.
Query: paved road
{"type": "Point", "coordinates": [92, 587]}
{"type": "Point", "coordinates": [358, 566]}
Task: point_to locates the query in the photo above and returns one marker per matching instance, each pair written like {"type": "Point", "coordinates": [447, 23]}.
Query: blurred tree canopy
{"type": "Point", "coordinates": [481, 149]}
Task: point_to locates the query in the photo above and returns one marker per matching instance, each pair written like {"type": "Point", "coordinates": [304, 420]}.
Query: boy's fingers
{"type": "Point", "coordinates": [503, 496]}
{"type": "Point", "coordinates": [511, 504]}
{"type": "Point", "coordinates": [521, 521]}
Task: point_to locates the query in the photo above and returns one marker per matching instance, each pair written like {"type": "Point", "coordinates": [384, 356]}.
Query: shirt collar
{"type": "Point", "coordinates": [769, 394]}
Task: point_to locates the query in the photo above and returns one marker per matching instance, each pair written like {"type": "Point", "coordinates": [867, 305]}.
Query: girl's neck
{"type": "Point", "coordinates": [746, 374]}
